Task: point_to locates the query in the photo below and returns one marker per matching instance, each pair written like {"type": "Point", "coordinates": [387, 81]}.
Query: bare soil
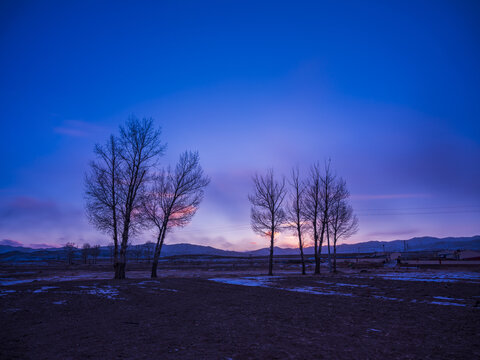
{"type": "Point", "coordinates": [188, 316]}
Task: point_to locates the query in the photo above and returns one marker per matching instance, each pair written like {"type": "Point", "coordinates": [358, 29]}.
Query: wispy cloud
{"type": "Point", "coordinates": [393, 233]}
{"type": "Point", "coordinates": [77, 128]}
{"type": "Point", "coordinates": [43, 246]}
{"type": "Point", "coordinates": [388, 196]}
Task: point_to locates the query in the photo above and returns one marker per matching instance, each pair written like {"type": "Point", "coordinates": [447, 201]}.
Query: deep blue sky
{"type": "Point", "coordinates": [390, 91]}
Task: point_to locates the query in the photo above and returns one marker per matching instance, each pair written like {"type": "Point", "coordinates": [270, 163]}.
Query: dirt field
{"type": "Point", "coordinates": [354, 315]}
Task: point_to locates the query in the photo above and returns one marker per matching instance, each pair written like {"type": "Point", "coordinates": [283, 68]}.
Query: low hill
{"type": "Point", "coordinates": [24, 254]}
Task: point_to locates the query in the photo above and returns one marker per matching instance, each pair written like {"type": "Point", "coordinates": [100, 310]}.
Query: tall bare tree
{"type": "Point", "coordinates": [343, 221]}
{"type": "Point", "coordinates": [102, 193]}
{"type": "Point", "coordinates": [86, 249]}
{"type": "Point", "coordinates": [318, 198]}
{"type": "Point", "coordinates": [175, 198]}
{"type": "Point", "coordinates": [148, 250]}
{"type": "Point", "coordinates": [140, 148]}
{"type": "Point", "coordinates": [327, 194]}
{"type": "Point", "coordinates": [295, 215]}
{"type": "Point", "coordinates": [267, 214]}
{"type": "Point", "coordinates": [70, 249]}
{"type": "Point", "coordinates": [95, 251]}
{"type": "Point", "coordinates": [312, 209]}
{"type": "Point", "coordinates": [116, 183]}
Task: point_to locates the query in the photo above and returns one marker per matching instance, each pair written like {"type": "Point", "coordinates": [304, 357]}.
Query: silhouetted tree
{"type": "Point", "coordinates": [116, 183]}
{"type": "Point", "coordinates": [111, 250]}
{"type": "Point", "coordinates": [148, 249]}
{"type": "Point", "coordinates": [312, 208]}
{"type": "Point", "coordinates": [95, 251]}
{"type": "Point", "coordinates": [70, 249]}
{"type": "Point", "coordinates": [343, 221]}
{"type": "Point", "coordinates": [327, 193]}
{"type": "Point", "coordinates": [136, 252]}
{"type": "Point", "coordinates": [295, 214]}
{"type": "Point", "coordinates": [85, 252]}
{"type": "Point", "coordinates": [102, 193]}
{"type": "Point", "coordinates": [140, 147]}
{"type": "Point", "coordinates": [267, 214]}
{"type": "Point", "coordinates": [174, 198]}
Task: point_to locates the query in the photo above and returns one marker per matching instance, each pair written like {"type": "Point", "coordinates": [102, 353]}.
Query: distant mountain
{"type": "Point", "coordinates": [414, 244]}
{"type": "Point", "coordinates": [10, 253]}
{"type": "Point", "coordinates": [191, 249]}
{"type": "Point", "coordinates": [8, 248]}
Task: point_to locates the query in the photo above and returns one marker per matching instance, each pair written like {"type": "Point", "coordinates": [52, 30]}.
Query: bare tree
{"type": "Point", "coordinates": [111, 250]}
{"type": "Point", "coordinates": [312, 208]}
{"type": "Point", "coordinates": [95, 251]}
{"type": "Point", "coordinates": [267, 213]}
{"type": "Point", "coordinates": [140, 147]}
{"type": "Point", "coordinates": [175, 198]}
{"type": "Point", "coordinates": [148, 250]}
{"type": "Point", "coordinates": [136, 252]}
{"type": "Point", "coordinates": [343, 221]}
{"type": "Point", "coordinates": [70, 249]}
{"type": "Point", "coordinates": [102, 193]}
{"type": "Point", "coordinates": [85, 252]}
{"type": "Point", "coordinates": [327, 193]}
{"type": "Point", "coordinates": [295, 214]}
{"type": "Point", "coordinates": [116, 183]}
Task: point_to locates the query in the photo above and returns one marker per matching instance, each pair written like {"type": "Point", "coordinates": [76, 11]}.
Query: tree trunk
{"type": "Point", "coordinates": [122, 262]}
{"type": "Point", "coordinates": [115, 252]}
{"type": "Point", "coordinates": [153, 275]}
{"type": "Point", "coordinates": [334, 253]}
{"type": "Point", "coordinates": [315, 240]}
{"type": "Point", "coordinates": [328, 243]}
{"type": "Point", "coordinates": [300, 245]}
{"type": "Point", "coordinates": [270, 264]}
{"type": "Point", "coordinates": [317, 268]}
{"type": "Point", "coordinates": [158, 249]}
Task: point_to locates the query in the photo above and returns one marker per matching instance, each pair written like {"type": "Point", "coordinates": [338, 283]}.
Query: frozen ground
{"type": "Point", "coordinates": [333, 288]}
{"type": "Point", "coordinates": [430, 276]}
{"type": "Point", "coordinates": [348, 316]}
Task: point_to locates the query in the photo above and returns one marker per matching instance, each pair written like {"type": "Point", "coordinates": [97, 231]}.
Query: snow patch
{"type": "Point", "coordinates": [437, 276]}
{"type": "Point", "coordinates": [386, 298]}
{"type": "Point", "coordinates": [4, 292]}
{"type": "Point", "coordinates": [316, 291]}
{"type": "Point", "coordinates": [264, 281]}
{"type": "Point", "coordinates": [261, 281]}
{"type": "Point", "coordinates": [44, 289]}
{"type": "Point", "coordinates": [108, 292]}
{"type": "Point", "coordinates": [446, 298]}
{"type": "Point", "coordinates": [7, 282]}
{"type": "Point", "coordinates": [446, 303]}
{"type": "Point", "coordinates": [342, 284]}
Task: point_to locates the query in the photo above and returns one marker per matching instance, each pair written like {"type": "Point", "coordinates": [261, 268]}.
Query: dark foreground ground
{"type": "Point", "coordinates": [349, 316]}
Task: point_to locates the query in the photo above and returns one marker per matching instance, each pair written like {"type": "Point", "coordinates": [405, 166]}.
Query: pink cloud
{"type": "Point", "coordinates": [43, 246]}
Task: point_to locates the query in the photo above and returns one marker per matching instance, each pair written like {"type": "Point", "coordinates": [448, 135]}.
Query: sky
{"type": "Point", "coordinates": [389, 91]}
